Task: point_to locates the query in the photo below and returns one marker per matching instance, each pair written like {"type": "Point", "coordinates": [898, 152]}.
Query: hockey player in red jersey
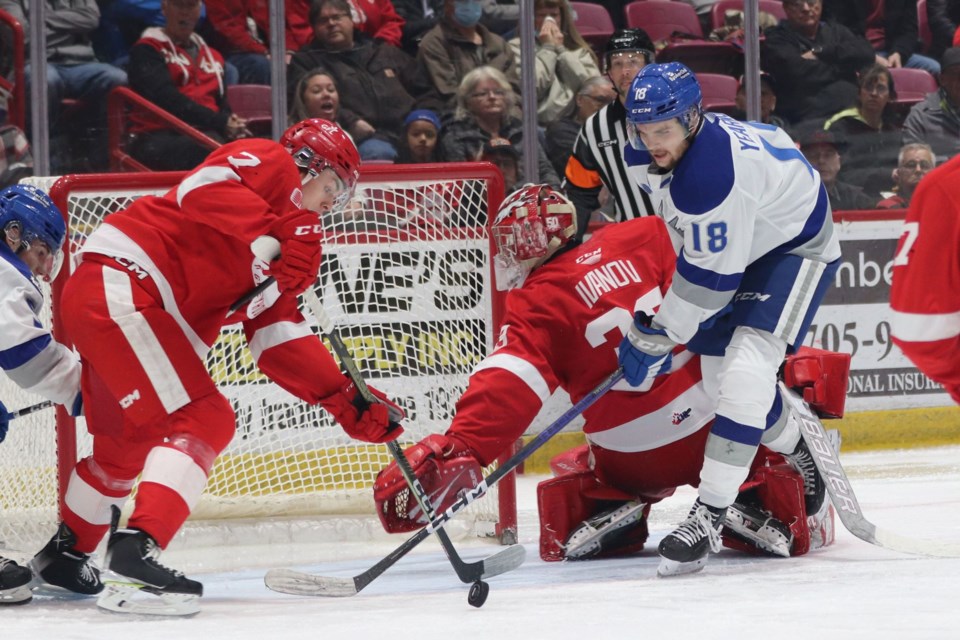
{"type": "Point", "coordinates": [153, 289]}
{"type": "Point", "coordinates": [564, 321]}
{"type": "Point", "coordinates": [925, 294]}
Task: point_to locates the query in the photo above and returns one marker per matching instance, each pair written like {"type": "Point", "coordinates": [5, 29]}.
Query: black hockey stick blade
{"type": "Point", "coordinates": [845, 500]}
{"type": "Point", "coordinates": [299, 583]}
{"type": "Point", "coordinates": [467, 572]}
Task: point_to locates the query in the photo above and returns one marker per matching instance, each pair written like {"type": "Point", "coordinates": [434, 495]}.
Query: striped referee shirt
{"type": "Point", "coordinates": [597, 160]}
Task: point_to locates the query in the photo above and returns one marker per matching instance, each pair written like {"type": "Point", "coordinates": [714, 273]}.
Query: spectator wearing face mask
{"type": "Point", "coordinates": [459, 44]}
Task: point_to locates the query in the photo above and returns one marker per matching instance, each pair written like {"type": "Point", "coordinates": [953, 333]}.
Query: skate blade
{"type": "Point", "coordinates": [16, 595]}
{"type": "Point", "coordinates": [46, 590]}
{"type": "Point", "coordinates": [131, 597]}
{"type": "Point", "coordinates": [670, 568]}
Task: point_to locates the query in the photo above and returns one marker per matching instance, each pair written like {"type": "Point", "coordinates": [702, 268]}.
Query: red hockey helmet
{"type": "Point", "coordinates": [532, 224]}
{"type": "Point", "coordinates": [318, 144]}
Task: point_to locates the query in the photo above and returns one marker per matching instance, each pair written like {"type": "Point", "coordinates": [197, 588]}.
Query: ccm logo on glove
{"type": "Point", "coordinates": [308, 230]}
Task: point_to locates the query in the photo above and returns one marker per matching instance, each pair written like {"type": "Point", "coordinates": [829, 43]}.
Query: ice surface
{"type": "Point", "coordinates": [850, 590]}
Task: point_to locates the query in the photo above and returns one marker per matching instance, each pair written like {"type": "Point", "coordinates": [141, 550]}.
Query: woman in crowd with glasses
{"type": "Point", "coordinates": [870, 128]}
{"type": "Point", "coordinates": [484, 102]}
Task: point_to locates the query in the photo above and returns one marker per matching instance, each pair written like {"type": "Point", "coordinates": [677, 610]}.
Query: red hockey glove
{"type": "Point", "coordinates": [361, 420]}
{"type": "Point", "coordinates": [445, 468]}
{"type": "Point", "coordinates": [299, 261]}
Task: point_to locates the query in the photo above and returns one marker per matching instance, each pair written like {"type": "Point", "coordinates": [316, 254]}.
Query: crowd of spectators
{"type": "Point", "coordinates": [439, 80]}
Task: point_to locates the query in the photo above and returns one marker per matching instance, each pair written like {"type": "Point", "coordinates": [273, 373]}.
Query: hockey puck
{"type": "Point", "coordinates": [478, 593]}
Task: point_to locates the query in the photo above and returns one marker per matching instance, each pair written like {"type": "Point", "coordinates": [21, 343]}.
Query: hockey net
{"type": "Point", "coordinates": [406, 278]}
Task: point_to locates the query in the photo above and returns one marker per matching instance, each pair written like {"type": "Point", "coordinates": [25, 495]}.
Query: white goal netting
{"type": "Point", "coordinates": [405, 277]}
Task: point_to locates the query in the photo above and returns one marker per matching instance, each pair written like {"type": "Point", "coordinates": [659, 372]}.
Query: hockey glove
{"type": "Point", "coordinates": [378, 423]}
{"type": "Point", "coordinates": [445, 468]}
{"type": "Point", "coordinates": [299, 261]}
{"type": "Point", "coordinates": [644, 351]}
{"type": "Point", "coordinates": [4, 421]}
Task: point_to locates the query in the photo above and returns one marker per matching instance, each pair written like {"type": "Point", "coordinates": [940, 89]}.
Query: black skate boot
{"type": "Point", "coordinates": [685, 550]}
{"type": "Point", "coordinates": [814, 488]}
{"type": "Point", "coordinates": [14, 583]}
{"type": "Point", "coordinates": [132, 559]}
{"type": "Point", "coordinates": [759, 529]}
{"type": "Point", "coordinates": [607, 532]}
{"type": "Point", "coordinates": [58, 564]}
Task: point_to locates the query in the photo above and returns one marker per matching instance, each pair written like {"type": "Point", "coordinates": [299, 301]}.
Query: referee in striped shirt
{"type": "Point", "coordinates": [597, 157]}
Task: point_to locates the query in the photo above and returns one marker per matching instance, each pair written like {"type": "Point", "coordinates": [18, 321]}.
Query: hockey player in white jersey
{"type": "Point", "coordinates": [569, 307]}
{"type": "Point", "coordinates": [33, 231]}
{"type": "Point", "coordinates": [756, 251]}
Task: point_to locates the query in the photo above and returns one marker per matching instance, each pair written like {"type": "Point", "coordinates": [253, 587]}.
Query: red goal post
{"type": "Point", "coordinates": [406, 277]}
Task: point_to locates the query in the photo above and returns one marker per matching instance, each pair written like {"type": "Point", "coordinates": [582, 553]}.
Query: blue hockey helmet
{"type": "Point", "coordinates": [33, 213]}
{"type": "Point", "coordinates": [661, 92]}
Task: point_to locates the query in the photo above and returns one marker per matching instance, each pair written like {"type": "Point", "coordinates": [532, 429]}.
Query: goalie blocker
{"type": "Point", "coordinates": [598, 501]}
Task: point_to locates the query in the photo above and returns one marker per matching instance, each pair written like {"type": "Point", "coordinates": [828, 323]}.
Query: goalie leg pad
{"type": "Point", "coordinates": [568, 502]}
{"type": "Point", "coordinates": [444, 469]}
{"type": "Point", "coordinates": [820, 377]}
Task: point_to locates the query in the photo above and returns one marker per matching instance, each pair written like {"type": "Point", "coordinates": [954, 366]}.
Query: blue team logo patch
{"type": "Point", "coordinates": [680, 416]}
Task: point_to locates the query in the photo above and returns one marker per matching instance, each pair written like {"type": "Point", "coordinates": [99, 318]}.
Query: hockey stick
{"type": "Point", "coordinates": [19, 413]}
{"type": "Point", "coordinates": [843, 498]}
{"type": "Point", "coordinates": [298, 583]}
{"type": "Point", "coordinates": [268, 248]}
{"type": "Point", "coordinates": [505, 560]}
{"type": "Point", "coordinates": [250, 295]}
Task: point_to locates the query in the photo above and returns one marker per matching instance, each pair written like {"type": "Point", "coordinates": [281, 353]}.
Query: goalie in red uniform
{"type": "Point", "coordinates": [155, 286]}
{"type": "Point", "coordinates": [925, 293]}
{"type": "Point", "coordinates": [564, 321]}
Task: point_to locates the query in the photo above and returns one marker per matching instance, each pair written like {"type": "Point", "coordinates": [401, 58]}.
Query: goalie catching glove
{"type": "Point", "coordinates": [377, 423]}
{"type": "Point", "coordinates": [445, 467]}
{"type": "Point", "coordinates": [299, 261]}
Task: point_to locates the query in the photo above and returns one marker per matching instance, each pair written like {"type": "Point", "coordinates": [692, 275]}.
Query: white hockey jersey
{"type": "Point", "coordinates": [741, 191]}
{"type": "Point", "coordinates": [28, 353]}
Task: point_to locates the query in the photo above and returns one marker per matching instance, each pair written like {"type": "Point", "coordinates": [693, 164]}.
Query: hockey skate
{"type": "Point", "coordinates": [814, 488]}
{"type": "Point", "coordinates": [138, 583]}
{"type": "Point", "coordinates": [605, 531]}
{"type": "Point", "coordinates": [758, 528]}
{"type": "Point", "coordinates": [685, 550]}
{"type": "Point", "coordinates": [58, 564]}
{"type": "Point", "coordinates": [14, 583]}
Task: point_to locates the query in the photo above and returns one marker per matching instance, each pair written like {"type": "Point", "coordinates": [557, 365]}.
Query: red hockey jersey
{"type": "Point", "coordinates": [194, 242]}
{"type": "Point", "coordinates": [200, 79]}
{"type": "Point", "coordinates": [562, 329]}
{"type": "Point", "coordinates": [925, 295]}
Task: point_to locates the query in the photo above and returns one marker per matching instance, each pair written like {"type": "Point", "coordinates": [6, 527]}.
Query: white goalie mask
{"type": "Point", "coordinates": [533, 223]}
